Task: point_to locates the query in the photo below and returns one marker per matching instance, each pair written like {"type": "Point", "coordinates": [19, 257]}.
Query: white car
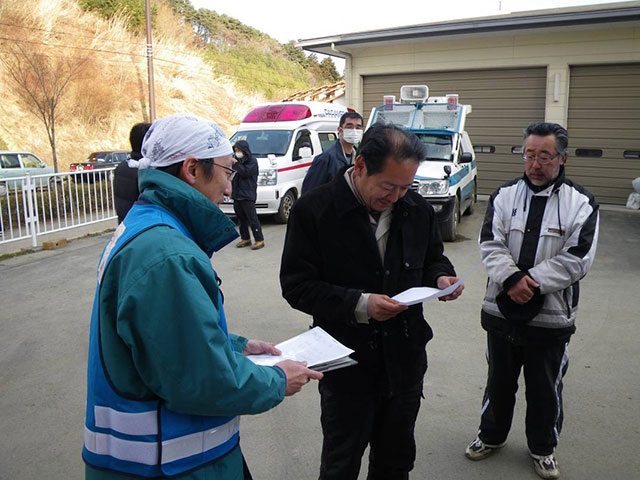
{"type": "Point", "coordinates": [19, 164]}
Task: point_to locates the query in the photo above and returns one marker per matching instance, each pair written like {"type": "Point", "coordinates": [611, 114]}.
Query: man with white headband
{"type": "Point", "coordinates": [166, 380]}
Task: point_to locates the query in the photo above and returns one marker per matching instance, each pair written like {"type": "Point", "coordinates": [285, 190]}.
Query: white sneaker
{"type": "Point", "coordinates": [546, 466]}
{"type": "Point", "coordinates": [477, 450]}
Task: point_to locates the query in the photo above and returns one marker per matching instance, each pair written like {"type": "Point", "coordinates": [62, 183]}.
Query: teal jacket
{"type": "Point", "coordinates": [160, 335]}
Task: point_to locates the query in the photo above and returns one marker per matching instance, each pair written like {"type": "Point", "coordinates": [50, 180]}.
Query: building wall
{"type": "Point", "coordinates": [554, 48]}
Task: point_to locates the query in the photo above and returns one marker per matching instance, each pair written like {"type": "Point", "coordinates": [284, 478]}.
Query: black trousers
{"type": "Point", "coordinates": [248, 217]}
{"type": "Point", "coordinates": [544, 368]}
{"type": "Point", "coordinates": [351, 421]}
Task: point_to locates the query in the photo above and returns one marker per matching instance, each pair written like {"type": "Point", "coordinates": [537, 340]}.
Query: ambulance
{"type": "Point", "coordinates": [285, 137]}
{"type": "Point", "coordinates": [448, 177]}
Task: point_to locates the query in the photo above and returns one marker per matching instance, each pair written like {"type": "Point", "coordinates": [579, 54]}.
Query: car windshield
{"type": "Point", "coordinates": [97, 156]}
{"type": "Point", "coordinates": [420, 116]}
{"type": "Point", "coordinates": [438, 146]}
{"type": "Point", "coordinates": [265, 142]}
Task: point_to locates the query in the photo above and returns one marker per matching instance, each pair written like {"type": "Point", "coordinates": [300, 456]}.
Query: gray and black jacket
{"type": "Point", "coordinates": [549, 234]}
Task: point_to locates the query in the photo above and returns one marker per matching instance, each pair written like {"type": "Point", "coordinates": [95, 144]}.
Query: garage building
{"type": "Point", "coordinates": [579, 67]}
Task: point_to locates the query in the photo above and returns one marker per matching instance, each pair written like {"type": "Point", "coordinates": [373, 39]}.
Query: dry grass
{"type": "Point", "coordinates": [110, 93]}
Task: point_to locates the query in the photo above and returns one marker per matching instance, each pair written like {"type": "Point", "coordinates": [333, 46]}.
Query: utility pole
{"type": "Point", "coordinates": [152, 94]}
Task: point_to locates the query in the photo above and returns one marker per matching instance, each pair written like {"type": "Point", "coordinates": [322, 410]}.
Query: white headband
{"type": "Point", "coordinates": [177, 137]}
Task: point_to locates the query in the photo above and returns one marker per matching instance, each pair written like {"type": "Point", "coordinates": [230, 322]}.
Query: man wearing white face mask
{"type": "Point", "coordinates": [340, 155]}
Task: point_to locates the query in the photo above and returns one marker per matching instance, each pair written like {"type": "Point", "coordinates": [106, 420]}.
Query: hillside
{"type": "Point", "coordinates": [219, 76]}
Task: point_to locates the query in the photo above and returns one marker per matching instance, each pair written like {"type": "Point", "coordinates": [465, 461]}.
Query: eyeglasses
{"type": "Point", "coordinates": [543, 159]}
{"type": "Point", "coordinates": [231, 173]}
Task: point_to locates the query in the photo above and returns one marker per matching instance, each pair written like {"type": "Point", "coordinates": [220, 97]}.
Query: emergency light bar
{"type": "Point", "coordinates": [414, 93]}
{"type": "Point", "coordinates": [278, 113]}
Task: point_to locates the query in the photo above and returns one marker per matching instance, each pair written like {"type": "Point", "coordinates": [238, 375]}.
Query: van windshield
{"type": "Point", "coordinates": [438, 146]}
{"type": "Point", "coordinates": [264, 142]}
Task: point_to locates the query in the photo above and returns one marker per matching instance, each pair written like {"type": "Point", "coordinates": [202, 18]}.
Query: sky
{"type": "Point", "coordinates": [287, 20]}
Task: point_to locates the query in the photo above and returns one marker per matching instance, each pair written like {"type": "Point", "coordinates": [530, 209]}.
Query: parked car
{"type": "Point", "coordinates": [98, 161]}
{"type": "Point", "coordinates": [18, 164]}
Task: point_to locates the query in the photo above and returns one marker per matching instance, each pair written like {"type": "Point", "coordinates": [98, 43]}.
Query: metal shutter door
{"type": "Point", "coordinates": [504, 101]}
{"type": "Point", "coordinates": [604, 114]}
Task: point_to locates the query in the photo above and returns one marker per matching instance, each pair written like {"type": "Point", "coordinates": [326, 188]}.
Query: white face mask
{"type": "Point", "coordinates": [352, 135]}
{"type": "Point", "coordinates": [239, 155]}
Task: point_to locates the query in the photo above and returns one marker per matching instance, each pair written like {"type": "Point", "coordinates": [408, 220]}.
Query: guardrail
{"type": "Point", "coordinates": [35, 205]}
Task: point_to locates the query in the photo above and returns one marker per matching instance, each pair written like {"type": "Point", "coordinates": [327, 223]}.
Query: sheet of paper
{"type": "Point", "coordinates": [422, 294]}
{"type": "Point", "coordinates": [314, 346]}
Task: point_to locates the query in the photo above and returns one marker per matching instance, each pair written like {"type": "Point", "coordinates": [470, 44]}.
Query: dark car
{"type": "Point", "coordinates": [97, 161]}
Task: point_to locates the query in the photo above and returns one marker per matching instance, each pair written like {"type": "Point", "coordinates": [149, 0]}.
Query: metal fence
{"type": "Point", "coordinates": [39, 204]}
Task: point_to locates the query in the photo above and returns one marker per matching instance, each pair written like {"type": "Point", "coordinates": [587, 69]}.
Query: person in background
{"type": "Point", "coordinates": [340, 155]}
{"type": "Point", "coordinates": [125, 178]}
{"type": "Point", "coordinates": [167, 382]}
{"type": "Point", "coordinates": [350, 246]}
{"type": "Point", "coordinates": [537, 241]}
{"type": "Point", "coordinates": [244, 194]}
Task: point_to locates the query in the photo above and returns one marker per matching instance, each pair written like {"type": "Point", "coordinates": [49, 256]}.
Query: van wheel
{"type": "Point", "coordinates": [284, 210]}
{"type": "Point", "coordinates": [474, 199]}
{"type": "Point", "coordinates": [450, 227]}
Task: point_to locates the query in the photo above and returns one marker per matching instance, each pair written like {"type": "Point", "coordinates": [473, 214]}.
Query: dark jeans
{"type": "Point", "coordinates": [544, 368]}
{"type": "Point", "coordinates": [248, 217]}
{"type": "Point", "coordinates": [351, 421]}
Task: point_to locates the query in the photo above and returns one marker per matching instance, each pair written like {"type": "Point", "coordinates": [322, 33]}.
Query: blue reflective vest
{"type": "Point", "coordinates": [137, 437]}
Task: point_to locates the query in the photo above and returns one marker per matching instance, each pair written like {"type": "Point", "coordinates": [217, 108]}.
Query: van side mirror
{"type": "Point", "coordinates": [303, 152]}
{"type": "Point", "coordinates": [466, 157]}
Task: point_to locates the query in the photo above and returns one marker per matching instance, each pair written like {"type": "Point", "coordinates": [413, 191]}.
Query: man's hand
{"type": "Point", "coordinates": [444, 282]}
{"type": "Point", "coordinates": [523, 291]}
{"type": "Point", "coordinates": [298, 375]}
{"type": "Point", "coordinates": [382, 307]}
{"type": "Point", "coordinates": [258, 347]}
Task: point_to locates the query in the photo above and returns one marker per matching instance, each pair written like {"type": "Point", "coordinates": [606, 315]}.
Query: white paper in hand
{"type": "Point", "coordinates": [422, 294]}
{"type": "Point", "coordinates": [315, 346]}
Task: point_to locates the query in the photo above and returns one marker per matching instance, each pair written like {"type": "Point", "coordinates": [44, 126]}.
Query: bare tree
{"type": "Point", "coordinates": [42, 81]}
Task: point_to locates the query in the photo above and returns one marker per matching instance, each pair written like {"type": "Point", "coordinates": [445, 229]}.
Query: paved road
{"type": "Point", "coordinates": [43, 348]}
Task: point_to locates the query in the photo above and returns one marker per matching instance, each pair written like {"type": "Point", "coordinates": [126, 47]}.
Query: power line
{"type": "Point", "coordinates": [190, 67]}
{"type": "Point", "coordinates": [115, 52]}
{"type": "Point", "coordinates": [128, 42]}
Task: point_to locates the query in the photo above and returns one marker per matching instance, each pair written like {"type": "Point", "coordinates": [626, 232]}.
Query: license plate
{"type": "Point", "coordinates": [226, 199]}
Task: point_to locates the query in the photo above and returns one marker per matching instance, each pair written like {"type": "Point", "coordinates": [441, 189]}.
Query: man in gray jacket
{"type": "Point", "coordinates": [537, 241]}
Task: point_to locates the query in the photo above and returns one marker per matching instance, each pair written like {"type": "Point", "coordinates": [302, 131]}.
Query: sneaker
{"type": "Point", "coordinates": [546, 466]}
{"type": "Point", "coordinates": [477, 450]}
{"type": "Point", "coordinates": [258, 245]}
{"type": "Point", "coordinates": [243, 243]}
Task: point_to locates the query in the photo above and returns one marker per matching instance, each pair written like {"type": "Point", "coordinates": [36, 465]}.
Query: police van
{"type": "Point", "coordinates": [285, 137]}
{"type": "Point", "coordinates": [448, 177]}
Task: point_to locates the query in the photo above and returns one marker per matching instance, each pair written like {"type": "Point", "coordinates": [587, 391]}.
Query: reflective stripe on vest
{"type": "Point", "coordinates": [172, 450]}
{"type": "Point", "coordinates": [144, 438]}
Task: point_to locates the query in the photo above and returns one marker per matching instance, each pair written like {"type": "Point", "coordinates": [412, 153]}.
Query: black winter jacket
{"type": "Point", "coordinates": [324, 167]}
{"type": "Point", "coordinates": [125, 188]}
{"type": "Point", "coordinates": [331, 256]}
{"type": "Point", "coordinates": [245, 183]}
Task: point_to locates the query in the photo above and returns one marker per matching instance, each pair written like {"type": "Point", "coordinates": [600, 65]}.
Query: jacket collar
{"type": "Point", "coordinates": [209, 226]}
{"type": "Point", "coordinates": [550, 187]}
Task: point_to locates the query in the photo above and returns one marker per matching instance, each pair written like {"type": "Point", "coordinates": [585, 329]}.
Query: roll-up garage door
{"type": "Point", "coordinates": [604, 129]}
{"type": "Point", "coordinates": [504, 102]}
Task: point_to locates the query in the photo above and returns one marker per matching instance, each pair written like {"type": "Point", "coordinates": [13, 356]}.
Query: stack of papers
{"type": "Point", "coordinates": [320, 350]}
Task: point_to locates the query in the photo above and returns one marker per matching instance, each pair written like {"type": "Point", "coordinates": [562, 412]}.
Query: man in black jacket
{"type": "Point", "coordinates": [350, 245]}
{"type": "Point", "coordinates": [244, 193]}
{"type": "Point", "coordinates": [125, 178]}
{"type": "Point", "coordinates": [341, 154]}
